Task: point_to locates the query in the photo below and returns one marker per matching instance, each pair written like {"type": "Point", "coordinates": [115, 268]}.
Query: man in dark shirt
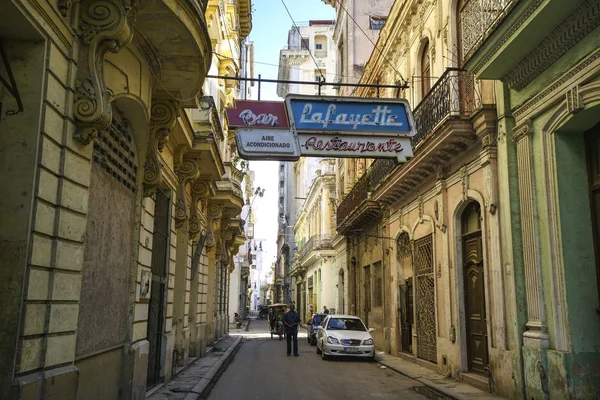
{"type": "Point", "coordinates": [291, 320]}
{"type": "Point", "coordinates": [325, 310]}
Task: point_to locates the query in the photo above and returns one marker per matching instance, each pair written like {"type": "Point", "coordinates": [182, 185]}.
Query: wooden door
{"type": "Point", "coordinates": [474, 290]}
{"type": "Point", "coordinates": [592, 138]}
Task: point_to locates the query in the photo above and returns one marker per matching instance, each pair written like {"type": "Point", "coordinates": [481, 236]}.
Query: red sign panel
{"type": "Point", "coordinates": [258, 114]}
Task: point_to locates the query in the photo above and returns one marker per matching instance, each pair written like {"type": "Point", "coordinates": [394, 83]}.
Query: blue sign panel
{"type": "Point", "coordinates": [350, 114]}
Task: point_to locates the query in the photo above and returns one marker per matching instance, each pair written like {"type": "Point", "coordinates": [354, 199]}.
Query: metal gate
{"type": "Point", "coordinates": [425, 287]}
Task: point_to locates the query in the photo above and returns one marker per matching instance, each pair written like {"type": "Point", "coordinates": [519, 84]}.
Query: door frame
{"type": "Point", "coordinates": [461, 331]}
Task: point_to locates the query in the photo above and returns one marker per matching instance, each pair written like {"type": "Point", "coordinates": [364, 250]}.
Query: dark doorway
{"type": "Point", "coordinates": [406, 315]}
{"type": "Point", "coordinates": [592, 144]}
{"type": "Point", "coordinates": [160, 255]}
{"type": "Point", "coordinates": [477, 349]}
{"type": "Point", "coordinates": [367, 289]}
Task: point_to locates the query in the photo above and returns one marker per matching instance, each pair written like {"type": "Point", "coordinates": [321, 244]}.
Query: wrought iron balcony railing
{"type": "Point", "coordinates": [478, 18]}
{"type": "Point", "coordinates": [456, 93]}
{"type": "Point", "coordinates": [316, 242]}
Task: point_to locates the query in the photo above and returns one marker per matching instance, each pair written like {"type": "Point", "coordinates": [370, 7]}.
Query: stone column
{"type": "Point", "coordinates": [536, 334]}
{"type": "Point", "coordinates": [186, 171]}
{"type": "Point", "coordinates": [214, 213]}
{"type": "Point", "coordinates": [485, 125]}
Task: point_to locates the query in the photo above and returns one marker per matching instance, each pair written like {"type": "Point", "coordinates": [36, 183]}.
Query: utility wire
{"type": "Point", "coordinates": [299, 69]}
{"type": "Point", "coordinates": [374, 46]}
{"type": "Point", "coordinates": [298, 30]}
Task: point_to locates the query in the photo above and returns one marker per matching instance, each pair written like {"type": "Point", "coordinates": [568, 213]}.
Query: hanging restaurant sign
{"type": "Point", "coordinates": [320, 126]}
{"type": "Point", "coordinates": [359, 116]}
{"type": "Point", "coordinates": [267, 144]}
{"type": "Point", "coordinates": [257, 114]}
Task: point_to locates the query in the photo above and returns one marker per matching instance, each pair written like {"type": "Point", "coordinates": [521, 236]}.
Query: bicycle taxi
{"type": "Point", "coordinates": [276, 322]}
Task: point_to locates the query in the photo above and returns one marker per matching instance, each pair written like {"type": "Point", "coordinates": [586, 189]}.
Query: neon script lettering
{"type": "Point", "coordinates": [381, 116]}
{"type": "Point", "coordinates": [337, 144]}
{"type": "Point", "coordinates": [251, 119]}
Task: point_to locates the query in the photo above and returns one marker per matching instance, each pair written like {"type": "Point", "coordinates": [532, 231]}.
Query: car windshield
{"type": "Point", "coordinates": [346, 324]}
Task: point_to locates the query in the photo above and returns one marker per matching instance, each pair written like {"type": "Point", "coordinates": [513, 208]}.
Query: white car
{"type": "Point", "coordinates": [344, 335]}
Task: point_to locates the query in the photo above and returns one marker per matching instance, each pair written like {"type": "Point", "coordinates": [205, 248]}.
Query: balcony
{"type": "Point", "coordinates": [516, 40]}
{"type": "Point", "coordinates": [443, 131]}
{"type": "Point", "coordinates": [316, 243]}
{"type": "Point", "coordinates": [174, 39]}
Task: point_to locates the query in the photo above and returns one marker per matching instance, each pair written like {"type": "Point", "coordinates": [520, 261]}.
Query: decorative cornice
{"type": "Point", "coordinates": [542, 96]}
{"type": "Point", "coordinates": [583, 20]}
{"type": "Point", "coordinates": [515, 27]}
{"type": "Point", "coordinates": [105, 26]}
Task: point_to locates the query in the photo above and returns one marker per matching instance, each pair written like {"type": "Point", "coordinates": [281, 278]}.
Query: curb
{"type": "Point", "coordinates": [434, 387]}
{"type": "Point", "coordinates": [201, 386]}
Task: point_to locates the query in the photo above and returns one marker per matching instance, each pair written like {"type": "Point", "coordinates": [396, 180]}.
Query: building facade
{"type": "Point", "coordinates": [548, 155]}
{"type": "Point", "coordinates": [423, 237]}
{"type": "Point", "coordinates": [121, 205]}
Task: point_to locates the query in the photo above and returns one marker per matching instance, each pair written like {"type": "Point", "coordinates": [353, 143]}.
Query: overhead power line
{"type": "Point", "coordinates": [298, 30]}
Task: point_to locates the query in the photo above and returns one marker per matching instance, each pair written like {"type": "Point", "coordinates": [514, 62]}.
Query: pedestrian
{"type": "Point", "coordinates": [291, 320]}
{"type": "Point", "coordinates": [325, 310]}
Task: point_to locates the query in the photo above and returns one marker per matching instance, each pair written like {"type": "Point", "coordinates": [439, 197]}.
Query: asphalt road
{"type": "Point", "coordinates": [261, 370]}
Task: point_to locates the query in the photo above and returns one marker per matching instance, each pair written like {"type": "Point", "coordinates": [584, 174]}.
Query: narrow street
{"type": "Point", "coordinates": [261, 370]}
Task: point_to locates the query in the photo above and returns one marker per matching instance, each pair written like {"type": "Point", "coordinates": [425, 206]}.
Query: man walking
{"type": "Point", "coordinates": [291, 320]}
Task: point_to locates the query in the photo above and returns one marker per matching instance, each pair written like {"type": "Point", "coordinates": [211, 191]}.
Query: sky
{"type": "Point", "coordinates": [270, 26]}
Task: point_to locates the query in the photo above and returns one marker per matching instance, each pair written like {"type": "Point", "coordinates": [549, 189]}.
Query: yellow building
{"type": "Point", "coordinates": [120, 205]}
{"type": "Point", "coordinates": [423, 237]}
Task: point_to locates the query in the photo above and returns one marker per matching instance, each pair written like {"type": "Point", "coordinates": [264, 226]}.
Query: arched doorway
{"type": "Point", "coordinates": [474, 290]}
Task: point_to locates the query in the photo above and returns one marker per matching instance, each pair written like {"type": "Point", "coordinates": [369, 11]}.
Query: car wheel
{"type": "Point", "coordinates": [372, 358]}
{"type": "Point", "coordinates": [318, 349]}
{"type": "Point", "coordinates": [324, 356]}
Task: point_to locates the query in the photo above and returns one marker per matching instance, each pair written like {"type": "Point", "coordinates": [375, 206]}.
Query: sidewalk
{"type": "Point", "coordinates": [190, 383]}
{"type": "Point", "coordinates": [445, 387]}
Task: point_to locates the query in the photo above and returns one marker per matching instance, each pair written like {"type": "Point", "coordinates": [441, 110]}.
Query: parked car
{"type": "Point", "coordinates": [312, 326]}
{"type": "Point", "coordinates": [344, 335]}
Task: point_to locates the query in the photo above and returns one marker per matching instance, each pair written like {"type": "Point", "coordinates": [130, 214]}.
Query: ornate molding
{"type": "Point", "coordinates": [200, 194]}
{"type": "Point", "coordinates": [522, 131]}
{"type": "Point", "coordinates": [186, 171]}
{"type": "Point", "coordinates": [554, 86]}
{"type": "Point", "coordinates": [162, 121]}
{"type": "Point", "coordinates": [214, 214]}
{"type": "Point", "coordinates": [104, 26]}
{"type": "Point", "coordinates": [574, 103]}
{"type": "Point", "coordinates": [577, 25]}
{"type": "Point", "coordinates": [464, 178]}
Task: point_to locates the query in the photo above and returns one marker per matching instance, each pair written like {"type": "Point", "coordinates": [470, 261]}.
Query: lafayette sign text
{"type": "Point", "coordinates": [357, 116]}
